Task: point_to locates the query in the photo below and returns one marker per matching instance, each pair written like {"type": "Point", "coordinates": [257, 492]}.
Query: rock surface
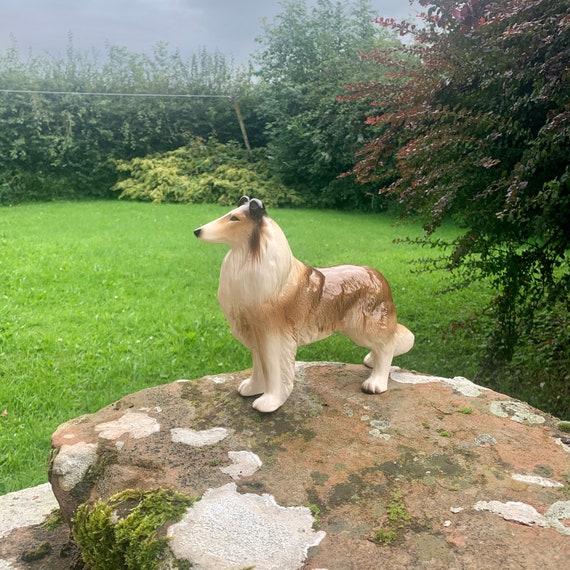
{"type": "Point", "coordinates": [23, 536]}
{"type": "Point", "coordinates": [435, 473]}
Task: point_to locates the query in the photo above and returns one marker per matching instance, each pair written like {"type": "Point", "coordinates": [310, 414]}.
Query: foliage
{"type": "Point", "coordinates": [307, 55]}
{"type": "Point", "coordinates": [123, 532]}
{"type": "Point", "coordinates": [58, 145]}
{"type": "Point", "coordinates": [479, 132]}
{"type": "Point", "coordinates": [539, 371]}
{"type": "Point", "coordinates": [397, 509]}
{"type": "Point", "coordinates": [205, 171]}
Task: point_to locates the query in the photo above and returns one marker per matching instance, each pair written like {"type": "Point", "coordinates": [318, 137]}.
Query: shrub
{"type": "Point", "coordinates": [486, 145]}
{"type": "Point", "coordinates": [204, 171]}
{"type": "Point", "coordinates": [538, 372]}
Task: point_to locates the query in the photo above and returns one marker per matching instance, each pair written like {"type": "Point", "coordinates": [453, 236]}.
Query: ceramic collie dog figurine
{"type": "Point", "coordinates": [274, 303]}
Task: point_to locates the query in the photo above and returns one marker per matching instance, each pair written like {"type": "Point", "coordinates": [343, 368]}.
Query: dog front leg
{"type": "Point", "coordinates": [255, 384]}
{"type": "Point", "coordinates": [277, 355]}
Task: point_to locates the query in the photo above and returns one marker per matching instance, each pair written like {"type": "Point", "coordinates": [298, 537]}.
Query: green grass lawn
{"type": "Point", "coordinates": [101, 299]}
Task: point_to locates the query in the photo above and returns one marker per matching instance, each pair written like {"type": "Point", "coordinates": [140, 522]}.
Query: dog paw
{"type": "Point", "coordinates": [372, 386]}
{"type": "Point", "coordinates": [267, 403]}
{"type": "Point", "coordinates": [248, 388]}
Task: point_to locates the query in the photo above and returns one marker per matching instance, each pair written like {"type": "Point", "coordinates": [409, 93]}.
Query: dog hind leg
{"type": "Point", "coordinates": [381, 361]}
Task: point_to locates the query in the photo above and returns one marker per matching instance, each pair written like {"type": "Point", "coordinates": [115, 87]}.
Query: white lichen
{"type": "Point", "coordinates": [535, 480]}
{"type": "Point", "coordinates": [198, 438]}
{"type": "Point", "coordinates": [72, 462]}
{"type": "Point", "coordinates": [525, 514]}
{"type": "Point", "coordinates": [459, 384]}
{"type": "Point", "coordinates": [244, 463]}
{"type": "Point", "coordinates": [518, 412]}
{"type": "Point", "coordinates": [134, 424]}
{"type": "Point", "coordinates": [227, 530]}
{"type": "Point", "coordinates": [514, 511]}
{"type": "Point", "coordinates": [25, 508]}
{"type": "Point", "coordinates": [557, 512]}
{"type": "Point", "coordinates": [405, 377]}
{"type": "Point", "coordinates": [484, 440]}
{"type": "Point", "coordinates": [464, 386]}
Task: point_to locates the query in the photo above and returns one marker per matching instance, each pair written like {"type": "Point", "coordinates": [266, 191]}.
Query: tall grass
{"type": "Point", "coordinates": [101, 299]}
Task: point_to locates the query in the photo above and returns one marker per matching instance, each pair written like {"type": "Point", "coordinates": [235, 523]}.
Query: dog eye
{"type": "Point", "coordinates": [234, 219]}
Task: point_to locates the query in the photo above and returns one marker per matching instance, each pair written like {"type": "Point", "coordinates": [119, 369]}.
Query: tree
{"type": "Point", "coordinates": [479, 132]}
{"type": "Point", "coordinates": [307, 56]}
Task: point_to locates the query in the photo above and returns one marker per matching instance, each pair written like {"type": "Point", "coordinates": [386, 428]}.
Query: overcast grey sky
{"type": "Point", "coordinates": [230, 26]}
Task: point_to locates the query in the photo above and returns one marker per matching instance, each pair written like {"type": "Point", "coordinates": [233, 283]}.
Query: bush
{"type": "Point", "coordinates": [205, 171]}
{"type": "Point", "coordinates": [538, 372]}
{"type": "Point", "coordinates": [486, 145]}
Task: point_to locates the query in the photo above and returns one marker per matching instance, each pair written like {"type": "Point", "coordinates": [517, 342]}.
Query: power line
{"type": "Point", "coordinates": [102, 94]}
{"type": "Point", "coordinates": [232, 98]}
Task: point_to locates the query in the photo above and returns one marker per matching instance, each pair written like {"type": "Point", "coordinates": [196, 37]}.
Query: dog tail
{"type": "Point", "coordinates": [404, 340]}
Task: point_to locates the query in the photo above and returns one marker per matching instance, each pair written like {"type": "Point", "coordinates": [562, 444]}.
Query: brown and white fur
{"type": "Point", "coordinates": [274, 303]}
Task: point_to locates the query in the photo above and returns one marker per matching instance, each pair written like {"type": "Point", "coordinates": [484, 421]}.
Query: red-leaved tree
{"type": "Point", "coordinates": [477, 130]}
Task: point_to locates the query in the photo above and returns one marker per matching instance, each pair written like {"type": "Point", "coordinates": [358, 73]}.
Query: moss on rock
{"type": "Point", "coordinates": [128, 532]}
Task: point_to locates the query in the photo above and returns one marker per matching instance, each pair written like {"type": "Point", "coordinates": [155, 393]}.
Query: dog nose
{"type": "Point", "coordinates": [197, 232]}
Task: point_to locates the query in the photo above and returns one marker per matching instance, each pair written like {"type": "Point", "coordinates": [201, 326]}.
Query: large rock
{"type": "Point", "coordinates": [435, 473]}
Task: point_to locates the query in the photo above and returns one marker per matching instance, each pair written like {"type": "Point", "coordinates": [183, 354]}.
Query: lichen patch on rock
{"type": "Point", "coordinates": [72, 463]}
{"type": "Point", "coordinates": [198, 438]}
{"type": "Point", "coordinates": [536, 480]}
{"type": "Point", "coordinates": [227, 530]}
{"type": "Point", "coordinates": [244, 463]}
{"type": "Point", "coordinates": [513, 511]}
{"type": "Point", "coordinates": [516, 411]}
{"type": "Point", "coordinates": [135, 424]}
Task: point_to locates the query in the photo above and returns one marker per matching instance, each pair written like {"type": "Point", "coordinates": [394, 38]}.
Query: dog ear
{"type": "Point", "coordinates": [243, 200]}
{"type": "Point", "coordinates": [256, 209]}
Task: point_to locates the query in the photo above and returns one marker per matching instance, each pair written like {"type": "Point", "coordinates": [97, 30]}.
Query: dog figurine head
{"type": "Point", "coordinates": [241, 225]}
